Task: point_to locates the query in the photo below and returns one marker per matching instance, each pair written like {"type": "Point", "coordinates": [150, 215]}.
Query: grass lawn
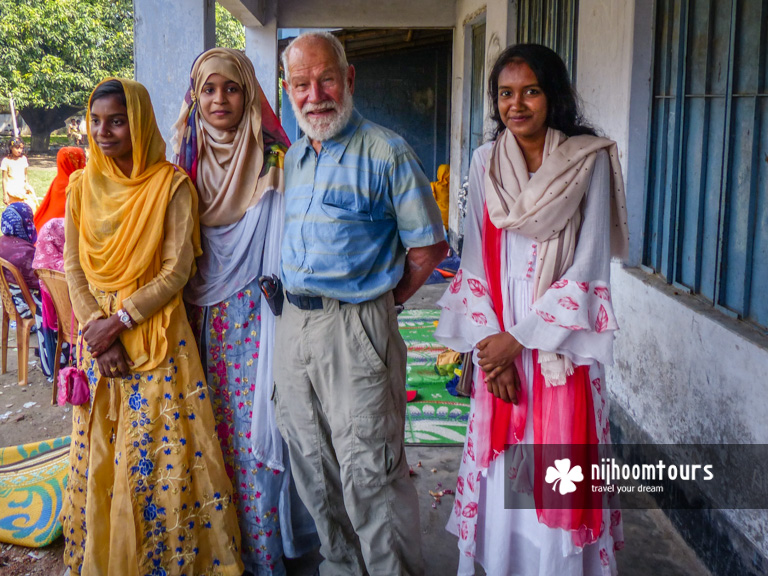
{"type": "Point", "coordinates": [41, 179]}
{"type": "Point", "coordinates": [55, 140]}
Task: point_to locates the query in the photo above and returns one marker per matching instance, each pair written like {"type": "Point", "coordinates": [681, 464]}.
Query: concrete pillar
{"type": "Point", "coordinates": [261, 48]}
{"type": "Point", "coordinates": [168, 36]}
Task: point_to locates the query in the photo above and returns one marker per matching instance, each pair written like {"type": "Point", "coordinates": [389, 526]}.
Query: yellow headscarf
{"type": "Point", "coordinates": [121, 221]}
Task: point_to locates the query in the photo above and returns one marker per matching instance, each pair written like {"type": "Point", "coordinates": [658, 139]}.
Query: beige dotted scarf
{"type": "Point", "coordinates": [546, 206]}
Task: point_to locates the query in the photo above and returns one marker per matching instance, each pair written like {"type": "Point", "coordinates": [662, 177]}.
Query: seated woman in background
{"type": "Point", "coordinates": [17, 245]}
{"type": "Point", "coordinates": [68, 159]}
{"type": "Point", "coordinates": [49, 255]}
{"type": "Point", "coordinates": [146, 455]}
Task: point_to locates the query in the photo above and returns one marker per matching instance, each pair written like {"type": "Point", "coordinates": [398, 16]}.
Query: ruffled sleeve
{"type": "Point", "coordinates": [467, 310]}
{"type": "Point", "coordinates": [575, 316]}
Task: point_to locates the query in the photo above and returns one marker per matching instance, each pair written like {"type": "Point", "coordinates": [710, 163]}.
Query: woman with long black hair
{"type": "Point", "coordinates": [546, 211]}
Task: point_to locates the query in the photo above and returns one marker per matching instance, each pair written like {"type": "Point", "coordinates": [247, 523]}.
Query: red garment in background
{"type": "Point", "coordinates": [68, 159]}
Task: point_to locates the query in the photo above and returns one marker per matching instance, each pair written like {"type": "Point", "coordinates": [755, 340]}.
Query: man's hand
{"type": "Point", "coordinates": [497, 353]}
{"type": "Point", "coordinates": [114, 362]}
{"type": "Point", "coordinates": [506, 385]}
{"type": "Point", "coordinates": [418, 266]}
{"type": "Point", "coordinates": [101, 333]}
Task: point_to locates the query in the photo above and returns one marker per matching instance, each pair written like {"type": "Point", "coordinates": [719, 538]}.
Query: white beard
{"type": "Point", "coordinates": [326, 128]}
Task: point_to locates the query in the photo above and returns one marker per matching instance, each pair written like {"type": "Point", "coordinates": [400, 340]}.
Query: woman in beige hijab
{"type": "Point", "coordinates": [546, 212]}
{"type": "Point", "coordinates": [232, 145]}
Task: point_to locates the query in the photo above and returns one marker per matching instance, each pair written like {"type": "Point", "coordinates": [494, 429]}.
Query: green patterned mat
{"type": "Point", "coordinates": [435, 417]}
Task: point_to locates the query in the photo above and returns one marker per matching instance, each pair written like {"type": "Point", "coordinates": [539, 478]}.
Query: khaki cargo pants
{"type": "Point", "coordinates": [340, 406]}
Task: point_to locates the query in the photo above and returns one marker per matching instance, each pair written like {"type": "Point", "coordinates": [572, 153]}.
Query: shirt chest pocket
{"type": "Point", "coordinates": [350, 204]}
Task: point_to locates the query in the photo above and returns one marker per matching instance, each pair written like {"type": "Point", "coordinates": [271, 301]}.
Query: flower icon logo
{"type": "Point", "coordinates": [563, 473]}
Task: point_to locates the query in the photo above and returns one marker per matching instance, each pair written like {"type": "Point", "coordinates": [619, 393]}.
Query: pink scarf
{"type": "Point", "coordinates": [546, 208]}
{"type": "Point", "coordinates": [49, 254]}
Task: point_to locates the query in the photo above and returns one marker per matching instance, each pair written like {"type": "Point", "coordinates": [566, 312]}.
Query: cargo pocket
{"type": "Point", "coordinates": [377, 449]}
{"type": "Point", "coordinates": [375, 361]}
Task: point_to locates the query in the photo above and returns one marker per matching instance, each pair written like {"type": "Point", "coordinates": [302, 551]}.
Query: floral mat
{"type": "Point", "coordinates": [435, 417]}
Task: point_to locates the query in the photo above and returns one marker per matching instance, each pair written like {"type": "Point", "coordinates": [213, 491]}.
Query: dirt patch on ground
{"type": "Point", "coordinates": [47, 160]}
{"type": "Point", "coordinates": [26, 415]}
{"type": "Point", "coordinates": [19, 561]}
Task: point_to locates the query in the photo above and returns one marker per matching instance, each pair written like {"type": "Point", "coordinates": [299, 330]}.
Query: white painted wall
{"type": "Point", "coordinates": [261, 48]}
{"type": "Point", "coordinates": [684, 372]}
{"type": "Point", "coordinates": [497, 37]}
{"type": "Point", "coordinates": [164, 51]}
{"type": "Point", "coordinates": [603, 66]}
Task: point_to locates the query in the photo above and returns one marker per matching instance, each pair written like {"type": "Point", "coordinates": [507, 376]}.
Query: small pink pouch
{"type": "Point", "coordinates": [73, 387]}
{"type": "Point", "coordinates": [73, 383]}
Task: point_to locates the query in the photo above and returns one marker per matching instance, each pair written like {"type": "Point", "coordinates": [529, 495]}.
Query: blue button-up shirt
{"type": "Point", "coordinates": [352, 210]}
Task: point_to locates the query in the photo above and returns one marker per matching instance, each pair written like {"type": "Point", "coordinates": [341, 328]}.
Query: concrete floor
{"type": "Point", "coordinates": [653, 547]}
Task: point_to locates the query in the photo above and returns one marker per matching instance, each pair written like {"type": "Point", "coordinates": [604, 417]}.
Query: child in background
{"type": "Point", "coordinates": [16, 186]}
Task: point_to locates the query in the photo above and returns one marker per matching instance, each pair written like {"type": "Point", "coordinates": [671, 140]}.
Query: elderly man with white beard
{"type": "Point", "coordinates": [362, 234]}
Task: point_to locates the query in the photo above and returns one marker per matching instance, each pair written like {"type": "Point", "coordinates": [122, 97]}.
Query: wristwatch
{"type": "Point", "coordinates": [399, 308]}
{"type": "Point", "coordinates": [125, 318]}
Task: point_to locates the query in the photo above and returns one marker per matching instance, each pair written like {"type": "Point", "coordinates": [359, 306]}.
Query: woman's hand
{"type": "Point", "coordinates": [497, 353]}
{"type": "Point", "coordinates": [114, 361]}
{"type": "Point", "coordinates": [101, 333]}
{"type": "Point", "coordinates": [506, 385]}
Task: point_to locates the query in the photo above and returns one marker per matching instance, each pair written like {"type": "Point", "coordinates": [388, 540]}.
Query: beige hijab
{"type": "Point", "coordinates": [546, 206]}
{"type": "Point", "coordinates": [230, 162]}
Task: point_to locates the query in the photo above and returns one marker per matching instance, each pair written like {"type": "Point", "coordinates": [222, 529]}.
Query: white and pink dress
{"type": "Point", "coordinates": [573, 318]}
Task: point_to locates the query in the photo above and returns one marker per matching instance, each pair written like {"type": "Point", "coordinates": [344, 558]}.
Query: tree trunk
{"type": "Point", "coordinates": [40, 141]}
{"type": "Point", "coordinates": [42, 122]}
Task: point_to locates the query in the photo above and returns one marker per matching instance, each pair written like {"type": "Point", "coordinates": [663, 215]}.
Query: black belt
{"type": "Point", "coordinates": [307, 302]}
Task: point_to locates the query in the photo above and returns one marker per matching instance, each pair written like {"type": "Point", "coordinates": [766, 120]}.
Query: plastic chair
{"type": "Point", "coordinates": [23, 325]}
{"type": "Point", "coordinates": [56, 284]}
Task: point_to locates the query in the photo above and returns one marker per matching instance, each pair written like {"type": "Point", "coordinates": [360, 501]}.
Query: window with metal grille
{"type": "Point", "coordinates": [706, 224]}
{"type": "Point", "coordinates": [551, 23]}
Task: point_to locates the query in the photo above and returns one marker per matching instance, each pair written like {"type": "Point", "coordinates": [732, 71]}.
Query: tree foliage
{"type": "Point", "coordinates": [56, 51]}
{"type": "Point", "coordinates": [230, 33]}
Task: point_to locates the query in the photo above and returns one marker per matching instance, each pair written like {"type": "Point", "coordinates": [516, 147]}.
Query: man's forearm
{"type": "Point", "coordinates": [418, 266]}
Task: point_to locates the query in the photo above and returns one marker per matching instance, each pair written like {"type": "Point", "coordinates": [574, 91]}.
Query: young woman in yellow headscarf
{"type": "Point", "coordinates": [147, 490]}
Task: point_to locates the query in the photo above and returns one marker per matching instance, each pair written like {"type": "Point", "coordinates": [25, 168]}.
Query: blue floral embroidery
{"type": "Point", "coordinates": [134, 401]}
{"type": "Point", "coordinates": [150, 512]}
{"type": "Point", "coordinates": [145, 466]}
{"type": "Point", "coordinates": [92, 380]}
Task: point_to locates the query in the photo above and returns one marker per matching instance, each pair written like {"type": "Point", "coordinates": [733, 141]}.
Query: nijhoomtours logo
{"type": "Point", "coordinates": [689, 476]}
{"type": "Point", "coordinates": [609, 470]}
{"type": "Point", "coordinates": [563, 474]}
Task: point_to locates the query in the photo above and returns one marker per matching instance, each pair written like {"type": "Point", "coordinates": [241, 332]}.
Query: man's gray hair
{"type": "Point", "coordinates": [338, 48]}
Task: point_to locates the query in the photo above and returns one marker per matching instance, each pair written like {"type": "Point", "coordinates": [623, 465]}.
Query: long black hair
{"type": "Point", "coordinates": [110, 88]}
{"type": "Point", "coordinates": [563, 111]}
